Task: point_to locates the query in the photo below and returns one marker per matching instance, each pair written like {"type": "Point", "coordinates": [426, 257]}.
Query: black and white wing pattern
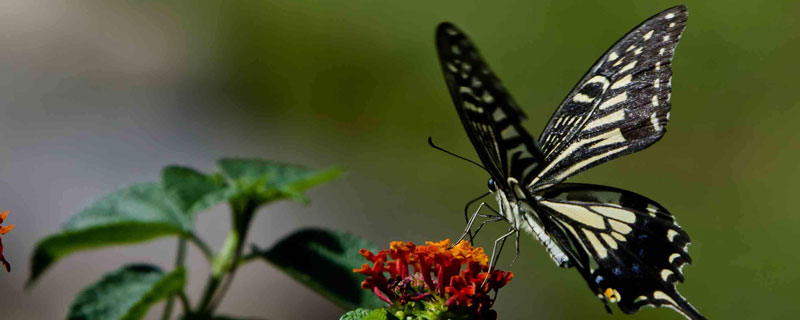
{"type": "Point", "coordinates": [628, 248]}
{"type": "Point", "coordinates": [619, 107]}
{"type": "Point", "coordinates": [487, 111]}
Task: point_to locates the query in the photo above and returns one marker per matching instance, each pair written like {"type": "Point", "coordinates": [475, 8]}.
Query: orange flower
{"type": "Point", "coordinates": [437, 273]}
{"type": "Point", "coordinates": [4, 230]}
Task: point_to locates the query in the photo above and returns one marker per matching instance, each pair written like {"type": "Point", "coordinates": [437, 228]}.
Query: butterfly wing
{"type": "Point", "coordinates": [487, 111]}
{"type": "Point", "coordinates": [628, 248]}
{"type": "Point", "coordinates": [619, 107]}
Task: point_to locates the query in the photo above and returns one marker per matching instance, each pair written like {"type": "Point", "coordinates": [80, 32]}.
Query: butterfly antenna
{"type": "Point", "coordinates": [430, 142]}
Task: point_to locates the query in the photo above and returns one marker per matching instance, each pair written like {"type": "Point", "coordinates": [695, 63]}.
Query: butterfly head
{"type": "Point", "coordinates": [492, 185]}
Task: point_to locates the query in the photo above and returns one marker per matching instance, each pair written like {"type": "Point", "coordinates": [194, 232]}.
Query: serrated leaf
{"type": "Point", "coordinates": [272, 180]}
{"type": "Point", "coordinates": [193, 190]}
{"type": "Point", "coordinates": [134, 214]}
{"type": "Point", "coordinates": [126, 293]}
{"type": "Point", "coordinates": [324, 261]}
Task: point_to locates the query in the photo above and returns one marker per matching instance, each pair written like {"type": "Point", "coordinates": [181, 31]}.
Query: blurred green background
{"type": "Point", "coordinates": [100, 94]}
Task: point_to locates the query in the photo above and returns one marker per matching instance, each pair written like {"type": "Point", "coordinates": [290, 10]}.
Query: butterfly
{"type": "Point", "coordinates": [628, 248]}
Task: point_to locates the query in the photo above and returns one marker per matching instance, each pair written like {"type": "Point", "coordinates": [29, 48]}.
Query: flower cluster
{"type": "Point", "coordinates": [4, 230]}
{"type": "Point", "coordinates": [437, 284]}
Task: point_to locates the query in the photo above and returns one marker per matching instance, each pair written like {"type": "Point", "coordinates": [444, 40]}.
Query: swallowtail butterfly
{"type": "Point", "coordinates": [628, 248]}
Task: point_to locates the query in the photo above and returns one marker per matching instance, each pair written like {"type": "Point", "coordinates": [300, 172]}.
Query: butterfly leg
{"type": "Point", "coordinates": [496, 251]}
{"type": "Point", "coordinates": [490, 220]}
{"type": "Point", "coordinates": [516, 246]}
{"type": "Point", "coordinates": [470, 221]}
{"type": "Point", "coordinates": [494, 217]}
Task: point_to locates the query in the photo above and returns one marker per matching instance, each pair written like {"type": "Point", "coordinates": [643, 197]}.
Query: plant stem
{"type": "Point", "coordinates": [203, 246]}
{"type": "Point", "coordinates": [225, 263]}
{"type": "Point", "coordinates": [179, 260]}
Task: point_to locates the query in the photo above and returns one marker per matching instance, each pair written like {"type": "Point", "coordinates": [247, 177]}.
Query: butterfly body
{"type": "Point", "coordinates": [628, 248]}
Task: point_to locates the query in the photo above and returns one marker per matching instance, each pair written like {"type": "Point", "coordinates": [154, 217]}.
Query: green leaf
{"type": "Point", "coordinates": [135, 214]}
{"type": "Point", "coordinates": [366, 314]}
{"type": "Point", "coordinates": [356, 314]}
{"type": "Point", "coordinates": [324, 261]}
{"type": "Point", "coordinates": [127, 293]}
{"type": "Point", "coordinates": [270, 180]}
{"type": "Point", "coordinates": [194, 191]}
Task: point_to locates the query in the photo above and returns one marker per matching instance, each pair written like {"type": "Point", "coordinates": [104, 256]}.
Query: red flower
{"type": "Point", "coordinates": [4, 230]}
{"type": "Point", "coordinates": [438, 276]}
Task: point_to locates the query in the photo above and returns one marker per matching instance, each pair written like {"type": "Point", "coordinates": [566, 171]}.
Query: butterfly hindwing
{"type": "Point", "coordinates": [619, 107]}
{"type": "Point", "coordinates": [637, 250]}
{"type": "Point", "coordinates": [489, 114]}
{"type": "Point", "coordinates": [628, 248]}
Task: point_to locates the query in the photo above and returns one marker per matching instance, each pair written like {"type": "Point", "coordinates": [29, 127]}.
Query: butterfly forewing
{"type": "Point", "coordinates": [619, 107]}
{"type": "Point", "coordinates": [637, 248]}
{"type": "Point", "coordinates": [628, 248]}
{"type": "Point", "coordinates": [488, 112]}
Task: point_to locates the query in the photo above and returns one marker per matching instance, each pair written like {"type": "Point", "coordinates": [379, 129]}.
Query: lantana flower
{"type": "Point", "coordinates": [447, 281]}
{"type": "Point", "coordinates": [4, 230]}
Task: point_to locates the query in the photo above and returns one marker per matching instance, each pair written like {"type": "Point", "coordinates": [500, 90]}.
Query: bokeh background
{"type": "Point", "coordinates": [95, 95]}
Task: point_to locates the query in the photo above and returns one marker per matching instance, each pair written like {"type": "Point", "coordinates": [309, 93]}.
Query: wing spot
{"type": "Point", "coordinates": [671, 234]}
{"type": "Point", "coordinates": [624, 81]}
{"type": "Point", "coordinates": [671, 24]}
{"type": "Point", "coordinates": [616, 116]}
{"type": "Point", "coordinates": [591, 160]}
{"type": "Point", "coordinates": [487, 97]}
{"type": "Point", "coordinates": [647, 35]}
{"type": "Point", "coordinates": [666, 38]}
{"type": "Point", "coordinates": [657, 127]}
{"type": "Point", "coordinates": [598, 247]}
{"type": "Point", "coordinates": [612, 295]}
{"type": "Point", "coordinates": [674, 256]}
{"type": "Point", "coordinates": [473, 107]}
{"type": "Point", "coordinates": [451, 67]}
{"type": "Point", "coordinates": [654, 100]}
{"type": "Point", "coordinates": [661, 51]}
{"type": "Point", "coordinates": [658, 65]}
{"type": "Point", "coordinates": [656, 82]}
{"type": "Point", "coordinates": [665, 273]}
{"type": "Point", "coordinates": [577, 213]}
{"type": "Point", "coordinates": [618, 62]}
{"type": "Point", "coordinates": [613, 56]}
{"type": "Point", "coordinates": [615, 213]}
{"type": "Point", "coordinates": [452, 31]}
{"type": "Point", "coordinates": [620, 227]}
{"type": "Point", "coordinates": [582, 98]}
{"type": "Point", "coordinates": [455, 49]}
{"type": "Point", "coordinates": [477, 83]}
{"type": "Point", "coordinates": [669, 16]}
{"type": "Point", "coordinates": [637, 51]}
{"type": "Point", "coordinates": [639, 298]}
{"type": "Point", "coordinates": [616, 99]}
{"type": "Point", "coordinates": [630, 48]}
{"type": "Point", "coordinates": [660, 295]}
{"type": "Point", "coordinates": [628, 67]}
{"type": "Point", "coordinates": [609, 240]}
{"type": "Point", "coordinates": [618, 236]}
{"type": "Point", "coordinates": [509, 133]}
{"type": "Point", "coordinates": [651, 209]}
{"type": "Point", "coordinates": [498, 115]}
